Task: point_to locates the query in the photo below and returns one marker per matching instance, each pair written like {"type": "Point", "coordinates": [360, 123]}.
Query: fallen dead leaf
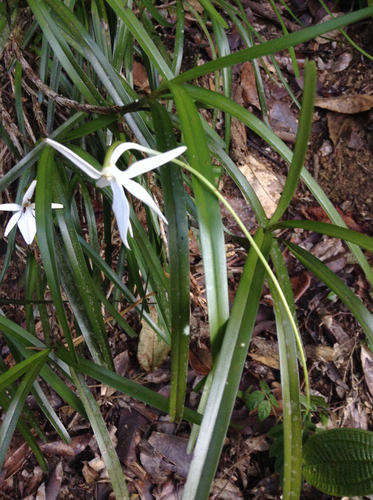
{"type": "Point", "coordinates": [348, 104]}
{"type": "Point", "coordinates": [267, 185]}
{"type": "Point", "coordinates": [54, 483]}
{"type": "Point", "coordinates": [90, 475]}
{"type": "Point", "coordinates": [342, 126]}
{"type": "Point", "coordinates": [223, 489]}
{"type": "Point", "coordinates": [367, 364]}
{"type": "Point", "coordinates": [200, 359]}
{"type": "Point", "coordinates": [248, 84]}
{"type": "Point", "coordinates": [140, 77]}
{"type": "Point", "coordinates": [283, 121]}
{"type": "Point", "coordinates": [342, 62]}
{"type": "Point", "coordinates": [152, 350]}
{"type": "Point", "coordinates": [174, 449]}
{"type": "Point", "coordinates": [62, 449]}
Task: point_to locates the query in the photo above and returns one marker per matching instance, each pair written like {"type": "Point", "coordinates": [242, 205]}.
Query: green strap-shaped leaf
{"type": "Point", "coordinates": [292, 478]}
{"type": "Point", "coordinates": [340, 462]}
{"type": "Point", "coordinates": [103, 438]}
{"type": "Point", "coordinates": [209, 216]}
{"type": "Point", "coordinates": [332, 230]}
{"type": "Point", "coordinates": [44, 225]}
{"type": "Point", "coordinates": [178, 247]}
{"type": "Point", "coordinates": [301, 145]}
{"type": "Point", "coordinates": [10, 420]}
{"type": "Point", "coordinates": [331, 280]}
{"type": "Point", "coordinates": [227, 375]}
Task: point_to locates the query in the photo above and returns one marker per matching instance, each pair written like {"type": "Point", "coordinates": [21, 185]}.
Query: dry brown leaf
{"type": "Point", "coordinates": [367, 364]}
{"type": "Point", "coordinates": [342, 62]}
{"type": "Point", "coordinates": [90, 475]}
{"type": "Point", "coordinates": [348, 104]}
{"type": "Point", "coordinates": [267, 185]}
{"type": "Point", "coordinates": [152, 350]}
{"type": "Point", "coordinates": [248, 84]}
{"type": "Point", "coordinates": [140, 77]}
{"type": "Point", "coordinates": [283, 121]}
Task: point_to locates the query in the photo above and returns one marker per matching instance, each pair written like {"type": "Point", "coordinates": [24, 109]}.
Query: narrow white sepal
{"type": "Point", "coordinates": [10, 207]}
{"type": "Point", "coordinates": [74, 158]}
{"type": "Point", "coordinates": [12, 222]}
{"type": "Point", "coordinates": [136, 190]}
{"type": "Point", "coordinates": [121, 210]}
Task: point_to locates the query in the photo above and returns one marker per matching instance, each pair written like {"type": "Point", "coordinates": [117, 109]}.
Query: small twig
{"type": "Point", "coordinates": [268, 14]}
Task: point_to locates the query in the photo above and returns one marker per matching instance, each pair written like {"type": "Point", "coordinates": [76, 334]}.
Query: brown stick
{"type": "Point", "coordinates": [263, 11]}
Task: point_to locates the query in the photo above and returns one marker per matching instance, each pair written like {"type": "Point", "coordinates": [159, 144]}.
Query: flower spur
{"type": "Point", "coordinates": [118, 179]}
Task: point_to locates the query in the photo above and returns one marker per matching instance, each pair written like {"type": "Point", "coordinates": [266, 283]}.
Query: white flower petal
{"type": "Point", "coordinates": [121, 210]}
{"type": "Point", "coordinates": [12, 222]}
{"type": "Point", "coordinates": [29, 193]}
{"type": "Point", "coordinates": [10, 207]}
{"type": "Point", "coordinates": [57, 205]}
{"type": "Point", "coordinates": [27, 226]}
{"type": "Point", "coordinates": [74, 158]}
{"type": "Point", "coordinates": [101, 183]}
{"type": "Point", "coordinates": [125, 146]}
{"type": "Point", "coordinates": [136, 190]}
{"type": "Point", "coordinates": [142, 166]}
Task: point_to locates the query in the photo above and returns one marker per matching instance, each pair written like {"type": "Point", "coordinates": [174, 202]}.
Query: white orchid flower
{"type": "Point", "coordinates": [24, 215]}
{"type": "Point", "coordinates": [118, 179]}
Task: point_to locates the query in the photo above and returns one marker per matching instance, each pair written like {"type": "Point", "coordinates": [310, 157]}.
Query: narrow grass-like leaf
{"type": "Point", "coordinates": [227, 375]}
{"type": "Point", "coordinates": [18, 370]}
{"type": "Point", "coordinates": [142, 37]}
{"type": "Point", "coordinates": [23, 339]}
{"type": "Point", "coordinates": [153, 273]}
{"type": "Point", "coordinates": [292, 479]}
{"type": "Point", "coordinates": [293, 57]}
{"type": "Point", "coordinates": [224, 50]}
{"type": "Point", "coordinates": [10, 419]}
{"type": "Point", "coordinates": [209, 217]}
{"type": "Point", "coordinates": [44, 225]}
{"type": "Point", "coordinates": [105, 444]}
{"type": "Point", "coordinates": [178, 246]}
{"type": "Point", "coordinates": [301, 145]}
{"type": "Point", "coordinates": [179, 38]}
{"type": "Point", "coordinates": [214, 14]}
{"type": "Point", "coordinates": [26, 433]}
{"type": "Point", "coordinates": [26, 411]}
{"type": "Point", "coordinates": [332, 230]}
{"type": "Point", "coordinates": [30, 275]}
{"type": "Point", "coordinates": [63, 52]}
{"type": "Point", "coordinates": [331, 280]}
